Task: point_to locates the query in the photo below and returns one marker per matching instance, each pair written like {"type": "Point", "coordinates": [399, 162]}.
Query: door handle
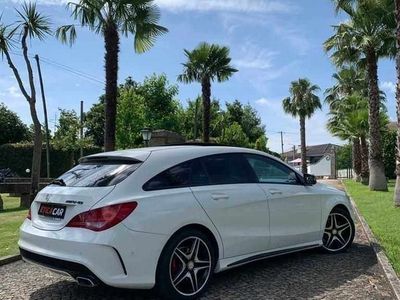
{"type": "Point", "coordinates": [217, 197]}
{"type": "Point", "coordinates": [275, 192]}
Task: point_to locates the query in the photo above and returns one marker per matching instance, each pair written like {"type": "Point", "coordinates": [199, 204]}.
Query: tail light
{"type": "Point", "coordinates": [104, 217]}
{"type": "Point", "coordinates": [29, 216]}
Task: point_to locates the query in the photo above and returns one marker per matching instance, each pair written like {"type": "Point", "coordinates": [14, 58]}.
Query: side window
{"type": "Point", "coordinates": [175, 177]}
{"type": "Point", "coordinates": [190, 173]}
{"type": "Point", "coordinates": [271, 171]}
{"type": "Point", "coordinates": [228, 169]}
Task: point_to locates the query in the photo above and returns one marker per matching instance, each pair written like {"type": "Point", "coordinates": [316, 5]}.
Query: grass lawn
{"type": "Point", "coordinates": [10, 219]}
{"type": "Point", "coordinates": [381, 215]}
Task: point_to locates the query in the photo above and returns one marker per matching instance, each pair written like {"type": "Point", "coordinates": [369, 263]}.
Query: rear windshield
{"type": "Point", "coordinates": [96, 174]}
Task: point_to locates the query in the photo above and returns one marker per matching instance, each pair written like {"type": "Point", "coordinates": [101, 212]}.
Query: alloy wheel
{"type": "Point", "coordinates": [338, 232]}
{"type": "Point", "coordinates": [190, 266]}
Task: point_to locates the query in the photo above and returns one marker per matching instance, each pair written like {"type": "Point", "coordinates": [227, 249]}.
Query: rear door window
{"type": "Point", "coordinates": [228, 169]}
{"type": "Point", "coordinates": [190, 173]}
{"type": "Point", "coordinates": [98, 173]}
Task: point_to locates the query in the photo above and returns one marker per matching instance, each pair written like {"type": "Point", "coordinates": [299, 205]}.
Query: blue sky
{"type": "Point", "coordinates": [272, 42]}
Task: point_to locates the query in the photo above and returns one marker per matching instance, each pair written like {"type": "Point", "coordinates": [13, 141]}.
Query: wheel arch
{"type": "Point", "coordinates": [341, 206]}
{"type": "Point", "coordinates": [200, 227]}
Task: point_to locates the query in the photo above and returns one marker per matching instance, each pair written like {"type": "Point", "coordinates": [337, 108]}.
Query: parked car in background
{"type": "Point", "coordinates": [170, 217]}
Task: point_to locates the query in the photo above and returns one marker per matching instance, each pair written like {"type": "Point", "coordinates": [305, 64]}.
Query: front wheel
{"type": "Point", "coordinates": [186, 266]}
{"type": "Point", "coordinates": [339, 231]}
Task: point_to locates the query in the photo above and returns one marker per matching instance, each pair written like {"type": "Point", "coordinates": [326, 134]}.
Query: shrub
{"type": "Point", "coordinates": [18, 157]}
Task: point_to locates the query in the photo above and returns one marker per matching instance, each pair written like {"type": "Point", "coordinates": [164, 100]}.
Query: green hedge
{"type": "Point", "coordinates": [18, 157]}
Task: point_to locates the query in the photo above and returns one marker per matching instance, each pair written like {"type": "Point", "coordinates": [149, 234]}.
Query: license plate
{"type": "Point", "coordinates": [52, 210]}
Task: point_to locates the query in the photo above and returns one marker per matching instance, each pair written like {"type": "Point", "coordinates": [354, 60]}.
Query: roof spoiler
{"type": "Point", "coordinates": [109, 160]}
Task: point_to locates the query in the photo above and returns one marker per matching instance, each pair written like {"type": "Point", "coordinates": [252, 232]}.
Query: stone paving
{"type": "Point", "coordinates": [355, 274]}
{"type": "Point", "coordinates": [311, 274]}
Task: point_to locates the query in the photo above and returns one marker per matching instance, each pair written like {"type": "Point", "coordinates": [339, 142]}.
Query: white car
{"type": "Point", "coordinates": [169, 217]}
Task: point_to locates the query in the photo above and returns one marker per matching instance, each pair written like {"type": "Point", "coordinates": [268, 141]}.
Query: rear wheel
{"type": "Point", "coordinates": [339, 231]}
{"type": "Point", "coordinates": [186, 265]}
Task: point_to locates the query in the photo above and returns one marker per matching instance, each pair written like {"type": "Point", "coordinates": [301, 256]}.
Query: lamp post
{"type": "Point", "coordinates": [146, 134]}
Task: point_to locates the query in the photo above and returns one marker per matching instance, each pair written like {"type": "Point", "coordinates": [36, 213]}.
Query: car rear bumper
{"type": "Point", "coordinates": [117, 257]}
{"type": "Point", "coordinates": [75, 270]}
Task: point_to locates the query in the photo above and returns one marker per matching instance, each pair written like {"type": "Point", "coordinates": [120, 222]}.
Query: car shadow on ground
{"type": "Point", "coordinates": [300, 275]}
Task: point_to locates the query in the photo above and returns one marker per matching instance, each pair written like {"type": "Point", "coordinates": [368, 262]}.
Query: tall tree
{"type": "Point", "coordinates": [302, 103]}
{"type": "Point", "coordinates": [12, 128]}
{"type": "Point", "coordinates": [349, 121]}
{"type": "Point", "coordinates": [364, 38]}
{"type": "Point", "coordinates": [148, 104]}
{"type": "Point", "coordinates": [67, 134]}
{"type": "Point", "coordinates": [31, 24]}
{"type": "Point", "coordinates": [397, 187]}
{"type": "Point", "coordinates": [94, 123]}
{"type": "Point", "coordinates": [207, 63]}
{"type": "Point", "coordinates": [247, 117]}
{"type": "Point", "coordinates": [348, 105]}
{"type": "Point", "coordinates": [111, 18]}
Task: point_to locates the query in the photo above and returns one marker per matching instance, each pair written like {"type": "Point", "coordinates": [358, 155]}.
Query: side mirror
{"type": "Point", "coordinates": [309, 179]}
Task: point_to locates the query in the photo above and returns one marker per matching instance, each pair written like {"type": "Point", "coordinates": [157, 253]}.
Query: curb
{"type": "Point", "coordinates": [380, 254]}
{"type": "Point", "coordinates": [9, 259]}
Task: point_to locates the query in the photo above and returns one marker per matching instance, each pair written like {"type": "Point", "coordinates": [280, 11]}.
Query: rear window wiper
{"type": "Point", "coordinates": [58, 182]}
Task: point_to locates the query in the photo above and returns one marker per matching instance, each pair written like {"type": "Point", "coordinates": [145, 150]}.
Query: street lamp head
{"type": "Point", "coordinates": [146, 134]}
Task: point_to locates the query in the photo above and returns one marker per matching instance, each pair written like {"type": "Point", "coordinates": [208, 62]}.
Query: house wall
{"type": "Point", "coordinates": [322, 168]}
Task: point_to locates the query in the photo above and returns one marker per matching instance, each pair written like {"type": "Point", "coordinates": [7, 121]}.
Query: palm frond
{"type": "Point", "coordinates": [66, 34]}
{"type": "Point", "coordinates": [207, 61]}
{"type": "Point", "coordinates": [37, 25]}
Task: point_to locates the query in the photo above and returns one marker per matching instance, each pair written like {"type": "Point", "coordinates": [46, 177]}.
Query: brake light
{"type": "Point", "coordinates": [29, 216]}
{"type": "Point", "coordinates": [104, 217]}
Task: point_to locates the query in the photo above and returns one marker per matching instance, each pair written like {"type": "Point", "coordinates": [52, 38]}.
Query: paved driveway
{"type": "Point", "coordinates": [352, 275]}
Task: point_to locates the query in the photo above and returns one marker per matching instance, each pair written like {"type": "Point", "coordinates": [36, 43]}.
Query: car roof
{"type": "Point", "coordinates": [179, 150]}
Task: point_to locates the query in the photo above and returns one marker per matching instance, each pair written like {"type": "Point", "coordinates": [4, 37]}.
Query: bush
{"type": "Point", "coordinates": [18, 157]}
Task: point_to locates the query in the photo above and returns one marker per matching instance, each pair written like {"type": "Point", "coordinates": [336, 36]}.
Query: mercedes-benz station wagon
{"type": "Point", "coordinates": [170, 217]}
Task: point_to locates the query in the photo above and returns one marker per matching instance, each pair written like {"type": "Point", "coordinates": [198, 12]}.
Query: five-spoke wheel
{"type": "Point", "coordinates": [339, 231]}
{"type": "Point", "coordinates": [190, 266]}
{"type": "Point", "coordinates": [187, 266]}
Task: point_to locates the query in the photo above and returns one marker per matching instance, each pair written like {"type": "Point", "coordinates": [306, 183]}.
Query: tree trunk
{"type": "Point", "coordinates": [111, 40]}
{"type": "Point", "coordinates": [303, 145]}
{"type": "Point", "coordinates": [364, 160]}
{"type": "Point", "coordinates": [37, 142]}
{"type": "Point", "coordinates": [206, 90]}
{"type": "Point", "coordinates": [356, 159]}
{"type": "Point", "coordinates": [37, 152]}
{"type": "Point", "coordinates": [397, 187]}
{"type": "Point", "coordinates": [377, 179]}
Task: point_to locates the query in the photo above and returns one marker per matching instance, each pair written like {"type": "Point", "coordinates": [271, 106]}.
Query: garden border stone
{"type": "Point", "coordinates": [9, 259]}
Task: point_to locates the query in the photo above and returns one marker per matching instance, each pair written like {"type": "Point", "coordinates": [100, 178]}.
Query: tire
{"type": "Point", "coordinates": [186, 265]}
{"type": "Point", "coordinates": [339, 232]}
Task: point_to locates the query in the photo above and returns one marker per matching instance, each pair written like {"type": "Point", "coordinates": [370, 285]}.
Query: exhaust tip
{"type": "Point", "coordinates": [85, 281]}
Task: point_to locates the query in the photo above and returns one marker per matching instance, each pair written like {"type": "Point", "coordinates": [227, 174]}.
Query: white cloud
{"type": "Point", "coordinates": [255, 6]}
{"type": "Point", "coordinates": [388, 86]}
{"type": "Point", "coordinates": [255, 58]}
{"type": "Point", "coordinates": [14, 92]}
{"type": "Point", "coordinates": [263, 102]}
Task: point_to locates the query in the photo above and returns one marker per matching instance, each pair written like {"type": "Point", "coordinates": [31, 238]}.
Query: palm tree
{"type": "Point", "coordinates": [349, 121]}
{"type": "Point", "coordinates": [349, 93]}
{"type": "Point", "coordinates": [205, 64]}
{"type": "Point", "coordinates": [110, 18]}
{"type": "Point", "coordinates": [302, 103]}
{"type": "Point", "coordinates": [397, 187]}
{"type": "Point", "coordinates": [364, 38]}
{"type": "Point", "coordinates": [30, 25]}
